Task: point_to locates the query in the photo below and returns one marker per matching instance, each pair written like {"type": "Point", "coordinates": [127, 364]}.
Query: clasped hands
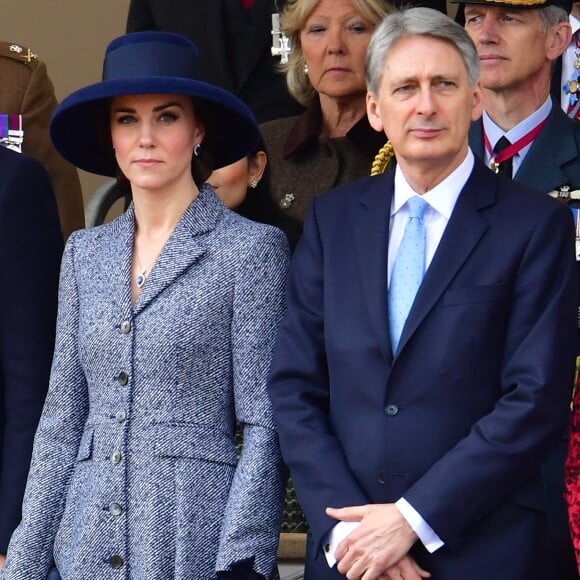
{"type": "Point", "coordinates": [378, 548]}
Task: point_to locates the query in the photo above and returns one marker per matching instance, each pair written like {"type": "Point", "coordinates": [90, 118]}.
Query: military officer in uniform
{"type": "Point", "coordinates": [27, 101]}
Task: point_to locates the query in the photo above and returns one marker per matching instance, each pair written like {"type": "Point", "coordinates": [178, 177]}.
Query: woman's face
{"type": "Point", "coordinates": [334, 41]}
{"type": "Point", "coordinates": [154, 137]}
{"type": "Point", "coordinates": [232, 181]}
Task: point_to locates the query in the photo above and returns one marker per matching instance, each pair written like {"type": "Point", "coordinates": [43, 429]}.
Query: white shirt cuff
{"type": "Point", "coordinates": [334, 537]}
{"type": "Point", "coordinates": [427, 535]}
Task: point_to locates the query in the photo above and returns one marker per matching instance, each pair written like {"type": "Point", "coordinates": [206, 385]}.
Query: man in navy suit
{"type": "Point", "coordinates": [421, 449]}
{"type": "Point", "coordinates": [30, 250]}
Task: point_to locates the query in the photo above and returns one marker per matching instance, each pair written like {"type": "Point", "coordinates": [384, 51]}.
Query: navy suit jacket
{"type": "Point", "coordinates": [30, 251]}
{"type": "Point", "coordinates": [459, 420]}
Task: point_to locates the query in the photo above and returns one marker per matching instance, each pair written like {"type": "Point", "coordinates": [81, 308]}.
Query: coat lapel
{"type": "Point", "coordinates": [464, 230]}
{"type": "Point", "coordinates": [371, 231]}
{"type": "Point", "coordinates": [120, 251]}
{"type": "Point", "coordinates": [186, 245]}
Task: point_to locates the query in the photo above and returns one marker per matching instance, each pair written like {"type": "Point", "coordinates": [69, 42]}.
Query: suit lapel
{"type": "Point", "coordinates": [371, 231]}
{"type": "Point", "coordinates": [553, 148]}
{"type": "Point", "coordinates": [186, 245]}
{"type": "Point", "coordinates": [465, 228]}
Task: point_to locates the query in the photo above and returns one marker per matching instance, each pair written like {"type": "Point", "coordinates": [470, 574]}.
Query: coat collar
{"type": "Point", "coordinates": [184, 247]}
{"type": "Point", "coordinates": [371, 225]}
{"type": "Point", "coordinates": [308, 129]}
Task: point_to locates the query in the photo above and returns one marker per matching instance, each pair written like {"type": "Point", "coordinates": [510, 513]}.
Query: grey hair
{"type": "Point", "coordinates": [417, 22]}
{"type": "Point", "coordinates": [552, 15]}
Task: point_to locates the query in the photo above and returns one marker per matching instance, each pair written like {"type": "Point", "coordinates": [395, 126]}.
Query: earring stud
{"type": "Point", "coordinates": [254, 183]}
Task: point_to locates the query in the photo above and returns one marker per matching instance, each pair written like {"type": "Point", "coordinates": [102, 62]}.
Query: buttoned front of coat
{"type": "Point", "coordinates": [135, 472]}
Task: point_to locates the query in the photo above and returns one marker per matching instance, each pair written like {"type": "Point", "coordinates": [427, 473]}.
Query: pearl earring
{"type": "Point", "coordinates": [305, 69]}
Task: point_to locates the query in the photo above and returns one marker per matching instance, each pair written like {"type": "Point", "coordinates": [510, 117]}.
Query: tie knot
{"type": "Point", "coordinates": [417, 207]}
{"type": "Point", "coordinates": [501, 144]}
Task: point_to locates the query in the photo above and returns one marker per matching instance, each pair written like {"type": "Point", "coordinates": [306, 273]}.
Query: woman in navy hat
{"type": "Point", "coordinates": [166, 323]}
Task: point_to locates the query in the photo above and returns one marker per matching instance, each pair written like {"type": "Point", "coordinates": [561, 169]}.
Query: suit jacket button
{"type": "Point", "coordinates": [125, 327]}
{"type": "Point", "coordinates": [116, 561]}
{"type": "Point", "coordinates": [123, 378]}
{"type": "Point", "coordinates": [391, 410]}
{"type": "Point", "coordinates": [115, 509]}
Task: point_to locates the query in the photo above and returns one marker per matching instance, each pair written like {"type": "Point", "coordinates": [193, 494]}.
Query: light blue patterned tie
{"type": "Point", "coordinates": [408, 269]}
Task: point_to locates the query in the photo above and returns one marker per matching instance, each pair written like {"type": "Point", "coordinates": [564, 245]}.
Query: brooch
{"type": "Point", "coordinates": [287, 200]}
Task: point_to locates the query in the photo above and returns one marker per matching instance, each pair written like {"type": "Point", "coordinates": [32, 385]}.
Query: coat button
{"type": "Point", "coordinates": [120, 416]}
{"type": "Point", "coordinates": [116, 457]}
{"type": "Point", "coordinates": [123, 378]}
{"type": "Point", "coordinates": [125, 327]}
{"type": "Point", "coordinates": [391, 410]}
{"type": "Point", "coordinates": [116, 561]}
{"type": "Point", "coordinates": [115, 509]}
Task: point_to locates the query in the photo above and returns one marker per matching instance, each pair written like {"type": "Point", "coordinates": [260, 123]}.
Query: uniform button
{"type": "Point", "coordinates": [116, 457]}
{"type": "Point", "coordinates": [125, 327]}
{"type": "Point", "coordinates": [115, 509]}
{"type": "Point", "coordinates": [391, 410]}
{"type": "Point", "coordinates": [381, 478]}
{"type": "Point", "coordinates": [120, 416]}
{"type": "Point", "coordinates": [123, 378]}
{"type": "Point", "coordinates": [116, 561]}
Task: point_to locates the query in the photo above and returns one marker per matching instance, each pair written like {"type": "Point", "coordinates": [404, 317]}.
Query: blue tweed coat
{"type": "Point", "coordinates": [134, 471]}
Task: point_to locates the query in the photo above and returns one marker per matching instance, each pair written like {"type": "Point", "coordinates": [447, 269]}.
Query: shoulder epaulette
{"type": "Point", "coordinates": [17, 52]}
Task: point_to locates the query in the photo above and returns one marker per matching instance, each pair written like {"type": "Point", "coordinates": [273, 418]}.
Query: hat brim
{"type": "Point", "coordinates": [75, 131]}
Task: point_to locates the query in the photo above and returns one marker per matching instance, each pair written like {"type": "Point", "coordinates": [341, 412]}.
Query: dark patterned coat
{"type": "Point", "coordinates": [135, 473]}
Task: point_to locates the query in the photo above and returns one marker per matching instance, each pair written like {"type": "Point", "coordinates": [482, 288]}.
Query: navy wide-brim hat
{"type": "Point", "coordinates": [149, 63]}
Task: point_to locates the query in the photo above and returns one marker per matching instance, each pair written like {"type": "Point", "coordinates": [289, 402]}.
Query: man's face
{"type": "Point", "coordinates": [512, 45]}
{"type": "Point", "coordinates": [425, 104]}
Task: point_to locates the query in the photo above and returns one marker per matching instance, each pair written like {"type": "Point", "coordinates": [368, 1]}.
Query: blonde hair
{"type": "Point", "coordinates": [293, 20]}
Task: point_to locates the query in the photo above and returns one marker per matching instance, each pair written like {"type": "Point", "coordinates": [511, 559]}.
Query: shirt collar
{"type": "Point", "coordinates": [494, 133]}
{"type": "Point", "coordinates": [575, 24]}
{"type": "Point", "coordinates": [443, 197]}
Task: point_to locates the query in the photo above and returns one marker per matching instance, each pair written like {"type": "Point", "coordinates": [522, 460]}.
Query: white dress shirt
{"type": "Point", "coordinates": [441, 199]}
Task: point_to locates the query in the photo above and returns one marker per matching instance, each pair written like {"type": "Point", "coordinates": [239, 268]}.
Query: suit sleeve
{"type": "Point", "coordinates": [38, 104]}
{"type": "Point", "coordinates": [30, 253]}
{"type": "Point", "coordinates": [503, 449]}
{"type": "Point", "coordinates": [253, 514]}
{"type": "Point", "coordinates": [140, 17]}
{"type": "Point", "coordinates": [56, 442]}
{"type": "Point", "coordinates": [300, 391]}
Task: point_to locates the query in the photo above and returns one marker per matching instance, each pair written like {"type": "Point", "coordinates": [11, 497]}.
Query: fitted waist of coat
{"type": "Point", "coordinates": [159, 440]}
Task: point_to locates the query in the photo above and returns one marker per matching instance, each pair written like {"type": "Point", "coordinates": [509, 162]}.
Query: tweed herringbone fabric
{"type": "Point", "coordinates": [135, 473]}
